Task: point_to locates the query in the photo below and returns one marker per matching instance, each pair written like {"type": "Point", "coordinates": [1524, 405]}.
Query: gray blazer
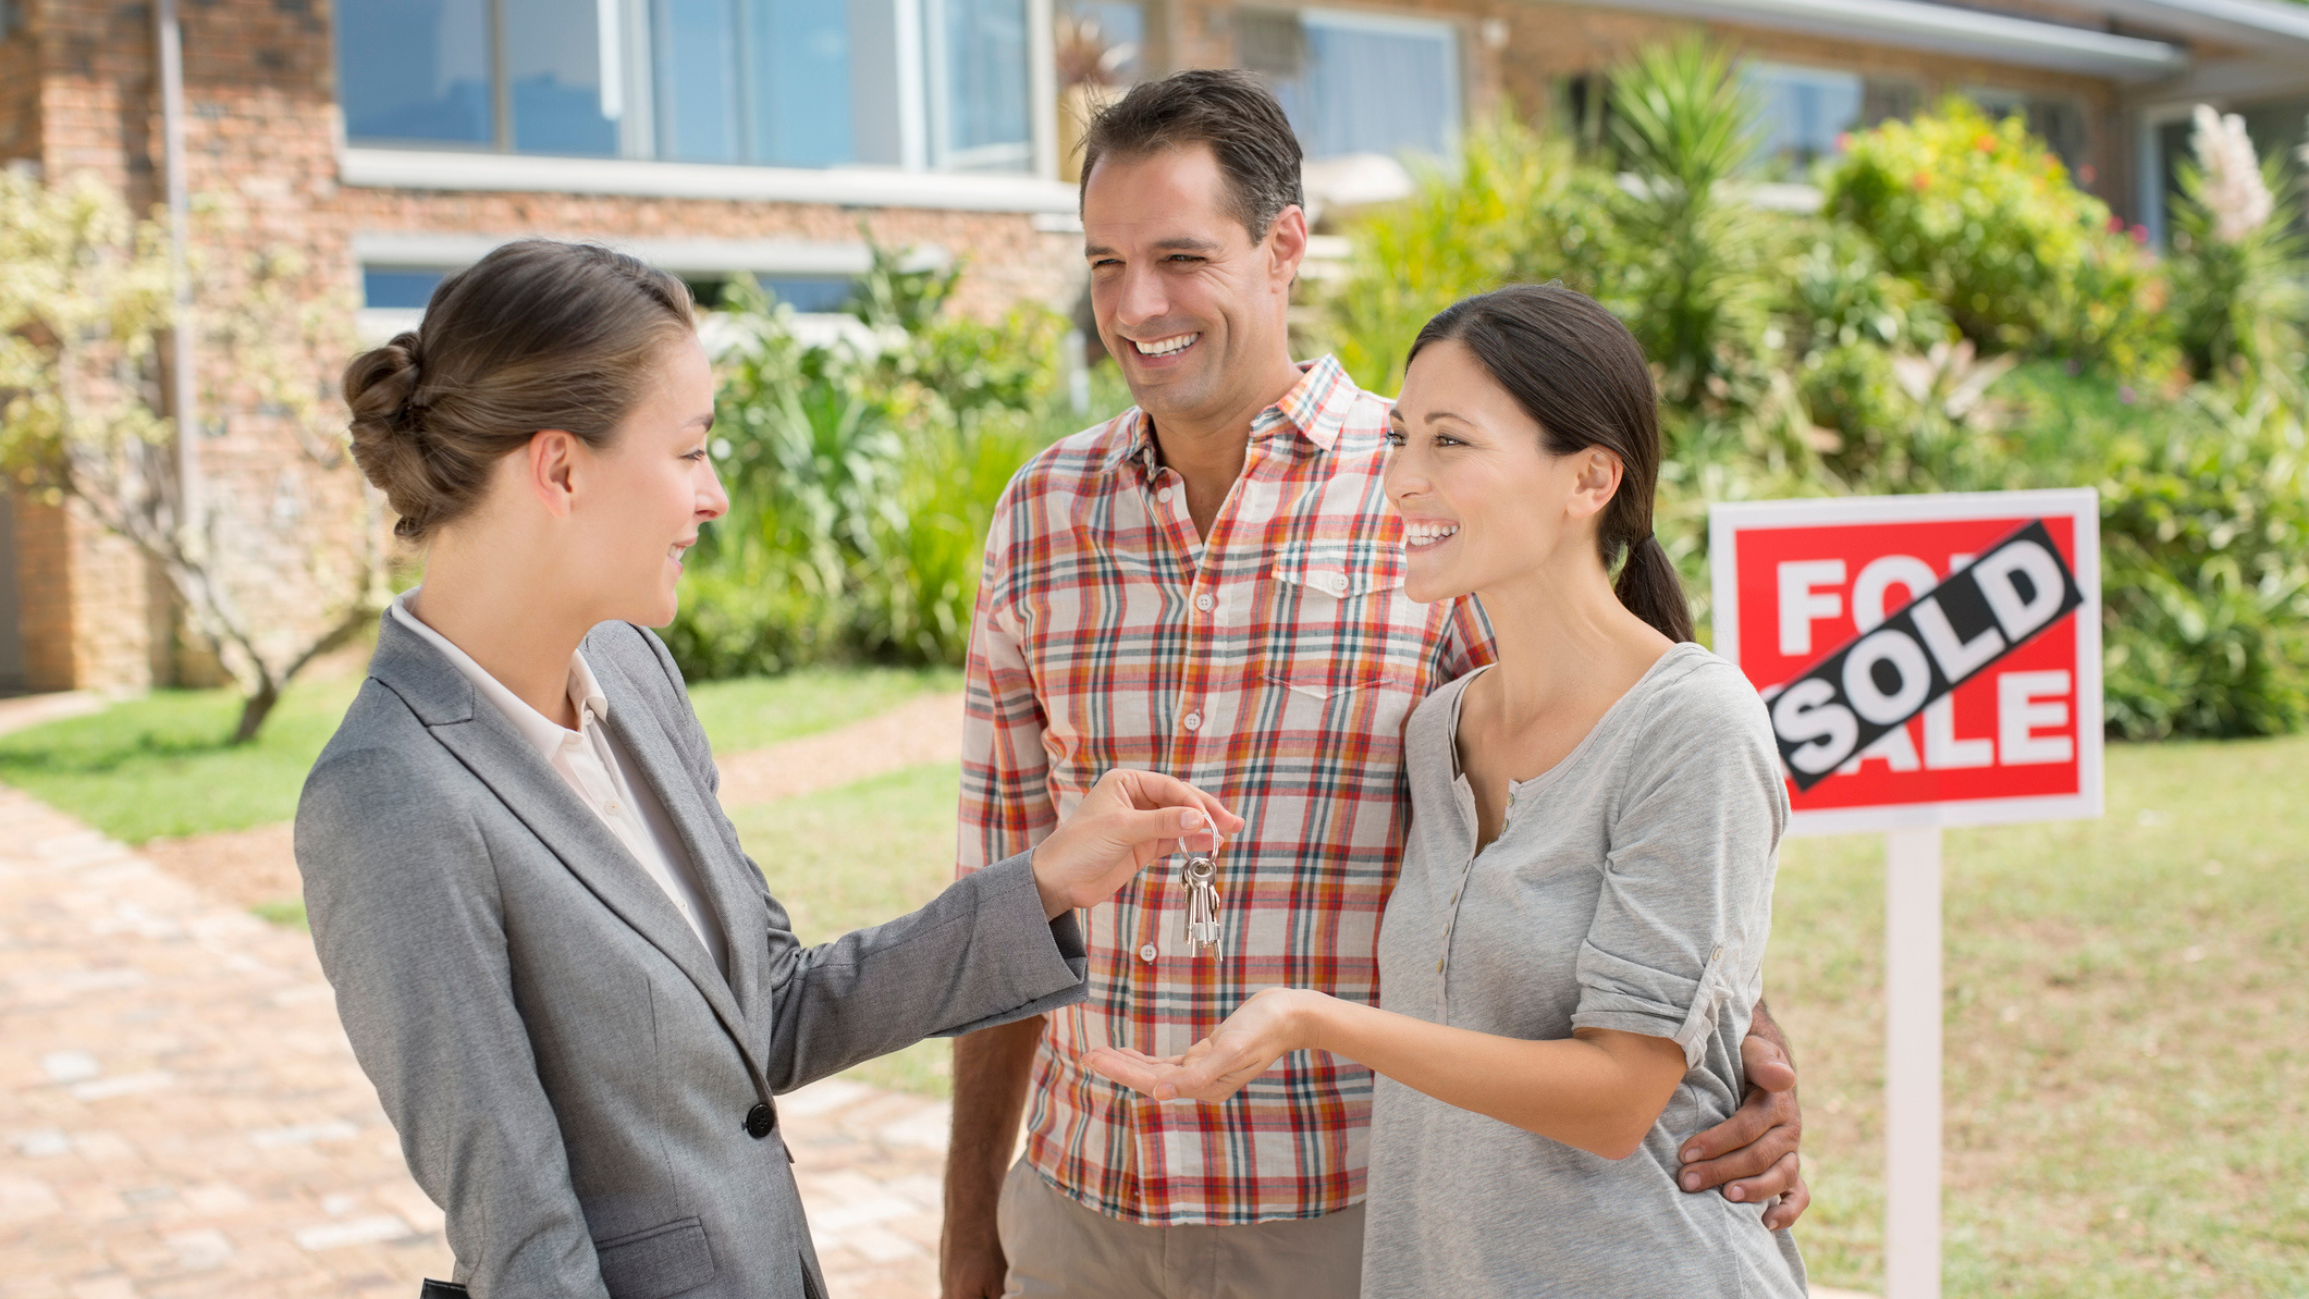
{"type": "Point", "coordinates": [572, 1078]}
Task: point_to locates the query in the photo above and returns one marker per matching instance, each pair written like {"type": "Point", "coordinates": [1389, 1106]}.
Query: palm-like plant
{"type": "Point", "coordinates": [2238, 262]}
{"type": "Point", "coordinates": [1695, 288]}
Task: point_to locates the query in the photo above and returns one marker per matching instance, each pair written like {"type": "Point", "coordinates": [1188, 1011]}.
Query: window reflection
{"type": "Point", "coordinates": [559, 62]}
{"type": "Point", "coordinates": [1354, 83]}
{"type": "Point", "coordinates": [978, 83]}
{"type": "Point", "coordinates": [415, 70]}
{"type": "Point", "coordinates": [799, 55]}
{"type": "Point", "coordinates": [696, 80]}
{"type": "Point", "coordinates": [1803, 112]}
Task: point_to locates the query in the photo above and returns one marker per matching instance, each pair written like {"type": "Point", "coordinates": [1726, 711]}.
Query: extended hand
{"type": "Point", "coordinates": [1128, 819]}
{"type": "Point", "coordinates": [1271, 1025]}
{"type": "Point", "coordinates": [1752, 1155]}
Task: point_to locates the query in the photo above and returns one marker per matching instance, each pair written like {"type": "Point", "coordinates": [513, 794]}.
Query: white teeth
{"type": "Point", "coordinates": [1427, 534]}
{"type": "Point", "coordinates": [1165, 346]}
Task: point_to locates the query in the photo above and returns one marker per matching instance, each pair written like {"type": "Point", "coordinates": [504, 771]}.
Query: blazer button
{"type": "Point", "coordinates": [759, 1121]}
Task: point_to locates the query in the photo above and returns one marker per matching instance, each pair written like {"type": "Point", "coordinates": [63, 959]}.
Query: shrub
{"type": "Point", "coordinates": [862, 476]}
{"type": "Point", "coordinates": [1515, 207]}
{"type": "Point", "coordinates": [1982, 216]}
{"type": "Point", "coordinates": [2205, 571]}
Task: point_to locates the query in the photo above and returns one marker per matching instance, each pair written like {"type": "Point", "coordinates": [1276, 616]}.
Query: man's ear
{"type": "Point", "coordinates": [1287, 242]}
{"type": "Point", "coordinates": [549, 468]}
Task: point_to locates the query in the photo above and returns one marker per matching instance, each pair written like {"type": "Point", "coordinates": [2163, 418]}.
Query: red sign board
{"type": "Point", "coordinates": [1929, 660]}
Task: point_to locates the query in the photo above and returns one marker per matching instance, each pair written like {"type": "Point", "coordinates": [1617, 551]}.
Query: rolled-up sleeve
{"type": "Point", "coordinates": [1687, 891]}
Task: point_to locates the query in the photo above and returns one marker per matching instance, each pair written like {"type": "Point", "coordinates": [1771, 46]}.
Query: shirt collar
{"type": "Point", "coordinates": [1316, 407]}
{"type": "Point", "coordinates": [543, 733]}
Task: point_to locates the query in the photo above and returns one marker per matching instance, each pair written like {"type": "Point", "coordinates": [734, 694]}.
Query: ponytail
{"type": "Point", "coordinates": [1652, 590]}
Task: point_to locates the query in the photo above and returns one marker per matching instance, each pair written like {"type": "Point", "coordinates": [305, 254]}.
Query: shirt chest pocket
{"type": "Point", "coordinates": [1337, 617]}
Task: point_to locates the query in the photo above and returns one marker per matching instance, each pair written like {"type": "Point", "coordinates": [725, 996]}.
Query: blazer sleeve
{"type": "Point", "coordinates": [980, 954]}
{"type": "Point", "coordinates": [409, 926]}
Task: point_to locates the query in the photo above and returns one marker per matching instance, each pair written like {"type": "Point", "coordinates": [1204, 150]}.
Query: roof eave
{"type": "Point", "coordinates": [1942, 28]}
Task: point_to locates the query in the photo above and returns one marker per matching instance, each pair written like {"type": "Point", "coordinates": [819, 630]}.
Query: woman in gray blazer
{"type": "Point", "coordinates": [575, 997]}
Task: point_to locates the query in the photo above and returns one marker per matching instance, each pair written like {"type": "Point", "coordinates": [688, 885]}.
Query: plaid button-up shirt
{"type": "Point", "coordinates": [1273, 664]}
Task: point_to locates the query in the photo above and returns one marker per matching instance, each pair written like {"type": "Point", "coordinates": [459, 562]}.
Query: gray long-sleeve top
{"type": "Point", "coordinates": [1630, 889]}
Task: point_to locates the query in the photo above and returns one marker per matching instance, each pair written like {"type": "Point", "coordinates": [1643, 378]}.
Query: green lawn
{"type": "Point", "coordinates": [2125, 1058]}
{"type": "Point", "coordinates": [158, 766]}
{"type": "Point", "coordinates": [751, 712]}
{"type": "Point", "coordinates": [2126, 1006]}
{"type": "Point", "coordinates": [857, 856]}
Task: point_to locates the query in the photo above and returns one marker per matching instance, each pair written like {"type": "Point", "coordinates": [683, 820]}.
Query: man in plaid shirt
{"type": "Point", "coordinates": [1209, 585]}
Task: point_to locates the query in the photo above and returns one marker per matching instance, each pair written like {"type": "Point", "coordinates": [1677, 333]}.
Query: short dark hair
{"type": "Point", "coordinates": [1577, 371]}
{"type": "Point", "coordinates": [1226, 109]}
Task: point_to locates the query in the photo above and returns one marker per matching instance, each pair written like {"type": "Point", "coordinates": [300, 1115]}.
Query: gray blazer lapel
{"type": "Point", "coordinates": [712, 849]}
{"type": "Point", "coordinates": [487, 745]}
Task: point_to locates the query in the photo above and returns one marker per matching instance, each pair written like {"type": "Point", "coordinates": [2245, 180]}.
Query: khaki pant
{"type": "Point", "coordinates": [1059, 1249]}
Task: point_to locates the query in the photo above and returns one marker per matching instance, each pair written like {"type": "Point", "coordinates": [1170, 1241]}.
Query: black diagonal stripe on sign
{"type": "Point", "coordinates": [1936, 642]}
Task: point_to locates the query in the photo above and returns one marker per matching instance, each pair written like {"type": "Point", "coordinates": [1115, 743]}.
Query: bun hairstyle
{"type": "Point", "coordinates": [1577, 371]}
{"type": "Point", "coordinates": [537, 335]}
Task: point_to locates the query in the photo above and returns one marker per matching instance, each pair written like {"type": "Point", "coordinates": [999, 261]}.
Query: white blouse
{"type": "Point", "coordinates": [589, 760]}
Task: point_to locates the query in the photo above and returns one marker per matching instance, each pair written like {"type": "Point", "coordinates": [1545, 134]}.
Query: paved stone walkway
{"type": "Point", "coordinates": [182, 1116]}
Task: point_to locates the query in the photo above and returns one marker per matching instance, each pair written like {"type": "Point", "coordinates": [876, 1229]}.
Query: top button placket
{"type": "Point", "coordinates": [1459, 893]}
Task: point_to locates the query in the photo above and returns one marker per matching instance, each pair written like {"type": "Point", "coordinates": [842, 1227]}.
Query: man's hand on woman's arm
{"type": "Point", "coordinates": [1752, 1156]}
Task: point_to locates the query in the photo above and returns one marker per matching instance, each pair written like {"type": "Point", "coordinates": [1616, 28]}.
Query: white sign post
{"type": "Point", "coordinates": [1912, 988]}
{"type": "Point", "coordinates": [1973, 698]}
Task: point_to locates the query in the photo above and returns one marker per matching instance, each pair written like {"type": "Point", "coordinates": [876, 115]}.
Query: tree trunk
{"type": "Point", "coordinates": [254, 708]}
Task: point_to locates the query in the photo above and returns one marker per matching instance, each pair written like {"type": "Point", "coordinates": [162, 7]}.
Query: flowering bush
{"type": "Point", "coordinates": [1958, 318]}
{"type": "Point", "coordinates": [1983, 216]}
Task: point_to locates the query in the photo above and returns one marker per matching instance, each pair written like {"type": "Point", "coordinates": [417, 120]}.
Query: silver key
{"type": "Point", "coordinates": [1202, 904]}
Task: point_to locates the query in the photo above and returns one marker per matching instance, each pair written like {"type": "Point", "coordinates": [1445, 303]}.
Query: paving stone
{"type": "Point", "coordinates": [184, 1119]}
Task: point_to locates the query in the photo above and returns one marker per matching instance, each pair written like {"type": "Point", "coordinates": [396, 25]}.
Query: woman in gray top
{"type": "Point", "coordinates": [1575, 945]}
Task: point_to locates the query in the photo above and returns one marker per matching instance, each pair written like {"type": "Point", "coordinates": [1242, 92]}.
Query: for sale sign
{"type": "Point", "coordinates": [1927, 660]}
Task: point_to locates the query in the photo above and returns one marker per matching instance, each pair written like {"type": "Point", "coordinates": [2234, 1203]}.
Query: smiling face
{"type": "Point", "coordinates": [1484, 505]}
{"type": "Point", "coordinates": [646, 492]}
{"type": "Point", "coordinates": [1187, 303]}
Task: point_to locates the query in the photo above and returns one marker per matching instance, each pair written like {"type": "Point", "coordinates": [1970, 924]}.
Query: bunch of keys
{"type": "Point", "coordinates": [1202, 904]}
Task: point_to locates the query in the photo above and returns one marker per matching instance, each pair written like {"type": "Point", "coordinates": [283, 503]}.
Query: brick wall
{"type": "Point", "coordinates": [260, 140]}
{"type": "Point", "coordinates": [77, 92]}
{"type": "Point", "coordinates": [86, 611]}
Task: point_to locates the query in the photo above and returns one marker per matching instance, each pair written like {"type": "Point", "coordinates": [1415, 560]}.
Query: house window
{"type": "Point", "coordinates": [786, 83]}
{"type": "Point", "coordinates": [807, 294]}
{"type": "Point", "coordinates": [975, 55]}
{"type": "Point", "coordinates": [1804, 113]}
{"type": "Point", "coordinates": [416, 70]}
{"type": "Point", "coordinates": [399, 288]}
{"type": "Point", "coordinates": [1356, 82]}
